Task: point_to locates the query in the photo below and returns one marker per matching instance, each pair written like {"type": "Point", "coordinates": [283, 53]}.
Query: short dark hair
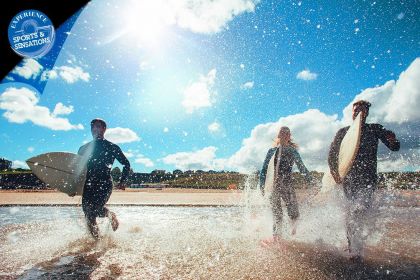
{"type": "Point", "coordinates": [362, 103]}
{"type": "Point", "coordinates": [101, 121]}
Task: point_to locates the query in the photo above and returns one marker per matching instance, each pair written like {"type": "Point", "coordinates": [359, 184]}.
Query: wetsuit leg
{"type": "Point", "coordinates": [275, 201]}
{"type": "Point", "coordinates": [360, 201]}
{"type": "Point", "coordinates": [95, 196]}
{"type": "Point", "coordinates": [289, 197]}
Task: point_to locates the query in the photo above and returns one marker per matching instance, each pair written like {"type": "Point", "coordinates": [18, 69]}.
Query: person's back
{"type": "Point", "coordinates": [102, 154]}
{"type": "Point", "coordinates": [365, 164]}
{"type": "Point", "coordinates": [359, 184]}
{"type": "Point", "coordinates": [288, 157]}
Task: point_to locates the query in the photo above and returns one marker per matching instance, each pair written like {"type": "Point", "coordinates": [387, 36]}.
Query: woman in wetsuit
{"type": "Point", "coordinates": [286, 155]}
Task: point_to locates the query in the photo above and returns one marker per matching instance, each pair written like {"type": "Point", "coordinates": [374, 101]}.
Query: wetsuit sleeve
{"type": "Point", "coordinates": [119, 155]}
{"type": "Point", "coordinates": [388, 138]}
{"type": "Point", "coordinates": [334, 150]}
{"type": "Point", "coordinates": [263, 171]}
{"type": "Point", "coordinates": [81, 150]}
{"type": "Point", "coordinates": [302, 168]}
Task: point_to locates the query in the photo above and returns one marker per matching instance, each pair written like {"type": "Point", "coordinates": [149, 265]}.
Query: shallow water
{"type": "Point", "coordinates": [201, 243]}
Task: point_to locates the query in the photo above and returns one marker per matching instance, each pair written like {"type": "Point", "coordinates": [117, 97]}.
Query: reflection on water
{"type": "Point", "coordinates": [198, 243]}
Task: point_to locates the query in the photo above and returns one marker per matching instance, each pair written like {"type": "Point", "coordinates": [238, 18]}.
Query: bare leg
{"type": "Point", "coordinates": [93, 228]}
{"type": "Point", "coordinates": [294, 226]}
{"type": "Point", "coordinates": [114, 220]}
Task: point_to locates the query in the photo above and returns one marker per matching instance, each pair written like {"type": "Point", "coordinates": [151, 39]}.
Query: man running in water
{"type": "Point", "coordinates": [360, 183]}
{"type": "Point", "coordinates": [100, 155]}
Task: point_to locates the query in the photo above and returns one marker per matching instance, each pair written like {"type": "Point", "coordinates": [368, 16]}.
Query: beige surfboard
{"type": "Point", "coordinates": [348, 151]}
{"type": "Point", "coordinates": [63, 171]}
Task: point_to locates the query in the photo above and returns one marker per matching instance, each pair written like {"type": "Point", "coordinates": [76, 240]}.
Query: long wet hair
{"type": "Point", "coordinates": [284, 138]}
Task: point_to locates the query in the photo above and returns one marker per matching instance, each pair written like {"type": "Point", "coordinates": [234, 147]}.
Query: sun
{"type": "Point", "coordinates": [146, 22]}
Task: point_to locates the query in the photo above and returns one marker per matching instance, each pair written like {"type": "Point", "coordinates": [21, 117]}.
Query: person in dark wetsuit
{"type": "Point", "coordinates": [98, 185]}
{"type": "Point", "coordinates": [359, 184]}
{"type": "Point", "coordinates": [286, 155]}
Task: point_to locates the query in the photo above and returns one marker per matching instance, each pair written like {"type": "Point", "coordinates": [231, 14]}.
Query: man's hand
{"type": "Point", "coordinates": [120, 186]}
{"type": "Point", "coordinates": [391, 137]}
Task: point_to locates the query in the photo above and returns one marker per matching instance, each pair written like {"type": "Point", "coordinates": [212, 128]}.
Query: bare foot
{"type": "Point", "coordinates": [114, 221]}
{"type": "Point", "coordinates": [94, 231]}
{"type": "Point", "coordinates": [294, 226]}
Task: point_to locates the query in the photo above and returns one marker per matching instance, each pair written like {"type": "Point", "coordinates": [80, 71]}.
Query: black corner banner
{"type": "Point", "coordinates": [57, 11]}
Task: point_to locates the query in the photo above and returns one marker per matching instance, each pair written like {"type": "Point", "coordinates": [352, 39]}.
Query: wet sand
{"type": "Point", "coordinates": [178, 197]}
{"type": "Point", "coordinates": [150, 197]}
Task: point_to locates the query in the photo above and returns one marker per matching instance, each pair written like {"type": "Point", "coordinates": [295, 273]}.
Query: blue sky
{"type": "Point", "coordinates": [207, 85]}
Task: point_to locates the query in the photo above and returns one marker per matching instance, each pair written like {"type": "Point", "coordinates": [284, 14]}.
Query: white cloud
{"type": "Point", "coordinates": [248, 85]}
{"type": "Point", "coordinates": [121, 135]}
{"type": "Point", "coordinates": [206, 16]}
{"type": "Point", "coordinates": [19, 164]}
{"type": "Point", "coordinates": [61, 109]}
{"type": "Point", "coordinates": [199, 94]}
{"type": "Point", "coordinates": [394, 104]}
{"type": "Point", "coordinates": [31, 149]}
{"type": "Point", "coordinates": [49, 74]}
{"type": "Point", "coordinates": [129, 154]}
{"type": "Point", "coordinates": [21, 106]}
{"type": "Point", "coordinates": [214, 127]}
{"type": "Point", "coordinates": [306, 75]}
{"type": "Point", "coordinates": [69, 74]}
{"type": "Point", "coordinates": [144, 160]}
{"type": "Point", "coordinates": [319, 126]}
{"type": "Point", "coordinates": [204, 159]}
{"type": "Point", "coordinates": [29, 70]}
{"type": "Point", "coordinates": [72, 74]}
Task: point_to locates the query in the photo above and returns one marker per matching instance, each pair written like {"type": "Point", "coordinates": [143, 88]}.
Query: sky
{"type": "Point", "coordinates": [207, 84]}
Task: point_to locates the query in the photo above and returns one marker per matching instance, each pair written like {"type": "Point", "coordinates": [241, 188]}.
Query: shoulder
{"type": "Point", "coordinates": [374, 126]}
{"type": "Point", "coordinates": [290, 150]}
{"type": "Point", "coordinates": [111, 145]}
{"type": "Point", "coordinates": [272, 150]}
{"type": "Point", "coordinates": [341, 132]}
{"type": "Point", "coordinates": [343, 129]}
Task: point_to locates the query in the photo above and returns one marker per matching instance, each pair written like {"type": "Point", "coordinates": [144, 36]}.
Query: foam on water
{"type": "Point", "coordinates": [194, 243]}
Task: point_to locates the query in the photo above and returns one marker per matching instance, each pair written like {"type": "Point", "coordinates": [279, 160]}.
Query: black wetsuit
{"type": "Point", "coordinates": [363, 174]}
{"type": "Point", "coordinates": [98, 186]}
{"type": "Point", "coordinates": [360, 183]}
{"type": "Point", "coordinates": [283, 188]}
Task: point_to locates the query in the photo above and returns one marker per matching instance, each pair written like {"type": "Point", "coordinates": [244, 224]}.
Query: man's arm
{"type": "Point", "coordinates": [333, 154]}
{"type": "Point", "coordinates": [388, 138]}
{"type": "Point", "coordinates": [126, 169]}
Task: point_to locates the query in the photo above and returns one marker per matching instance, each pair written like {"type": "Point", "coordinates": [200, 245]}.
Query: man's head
{"type": "Point", "coordinates": [98, 127]}
{"type": "Point", "coordinates": [361, 106]}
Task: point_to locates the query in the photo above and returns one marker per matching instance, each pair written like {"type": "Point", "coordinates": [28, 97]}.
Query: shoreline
{"type": "Point", "coordinates": [171, 197]}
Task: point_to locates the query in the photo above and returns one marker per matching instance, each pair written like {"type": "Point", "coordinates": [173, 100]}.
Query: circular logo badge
{"type": "Point", "coordinates": [31, 33]}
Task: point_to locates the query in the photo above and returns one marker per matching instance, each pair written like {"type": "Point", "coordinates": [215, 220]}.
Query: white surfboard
{"type": "Point", "coordinates": [269, 176]}
{"type": "Point", "coordinates": [349, 148]}
{"type": "Point", "coordinates": [61, 170]}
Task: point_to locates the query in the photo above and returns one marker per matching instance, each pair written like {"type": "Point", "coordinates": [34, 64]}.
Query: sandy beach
{"type": "Point", "coordinates": [177, 197]}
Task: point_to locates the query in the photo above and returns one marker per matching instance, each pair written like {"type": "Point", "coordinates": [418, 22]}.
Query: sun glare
{"type": "Point", "coordinates": [145, 22]}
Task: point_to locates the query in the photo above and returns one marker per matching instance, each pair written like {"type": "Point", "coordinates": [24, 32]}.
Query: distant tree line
{"type": "Point", "coordinates": [20, 178]}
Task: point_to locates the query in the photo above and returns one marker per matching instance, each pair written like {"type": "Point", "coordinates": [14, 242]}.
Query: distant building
{"type": "Point", "coordinates": [5, 164]}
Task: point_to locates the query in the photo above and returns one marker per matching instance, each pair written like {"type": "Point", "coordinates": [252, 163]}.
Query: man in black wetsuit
{"type": "Point", "coordinates": [360, 182]}
{"type": "Point", "coordinates": [100, 155]}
